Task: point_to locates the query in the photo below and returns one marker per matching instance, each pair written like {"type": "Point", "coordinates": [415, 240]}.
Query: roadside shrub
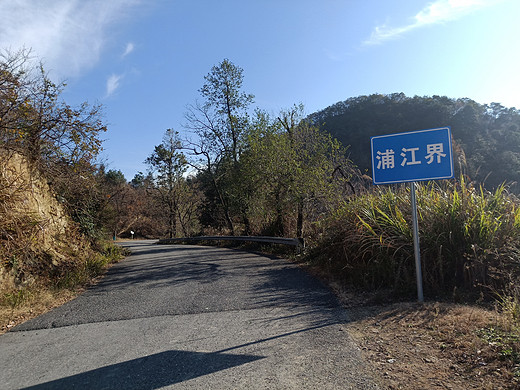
{"type": "Point", "coordinates": [82, 272]}
{"type": "Point", "coordinates": [469, 237]}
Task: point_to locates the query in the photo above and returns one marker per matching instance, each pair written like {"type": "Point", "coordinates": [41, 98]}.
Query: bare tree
{"type": "Point", "coordinates": [35, 121]}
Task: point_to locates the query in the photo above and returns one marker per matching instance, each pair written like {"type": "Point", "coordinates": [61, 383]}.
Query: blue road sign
{"type": "Point", "coordinates": [412, 156]}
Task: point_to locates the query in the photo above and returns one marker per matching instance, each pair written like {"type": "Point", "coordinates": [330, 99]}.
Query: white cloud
{"type": "Point", "coordinates": [129, 48]}
{"type": "Point", "coordinates": [113, 84]}
{"type": "Point", "coordinates": [67, 35]}
{"type": "Point", "coordinates": [440, 11]}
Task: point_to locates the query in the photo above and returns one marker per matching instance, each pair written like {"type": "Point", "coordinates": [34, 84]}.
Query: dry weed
{"type": "Point", "coordinates": [39, 300]}
{"type": "Point", "coordinates": [434, 346]}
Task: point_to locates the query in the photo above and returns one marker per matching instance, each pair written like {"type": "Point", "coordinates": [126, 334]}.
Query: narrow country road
{"type": "Point", "coordinates": [189, 317]}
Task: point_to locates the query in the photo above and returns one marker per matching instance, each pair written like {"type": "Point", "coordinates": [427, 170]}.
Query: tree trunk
{"type": "Point", "coordinates": [278, 224]}
{"type": "Point", "coordinates": [183, 223]}
{"type": "Point", "coordinates": [229, 222]}
{"type": "Point", "coordinates": [34, 147]}
{"type": "Point", "coordinates": [172, 222]}
{"type": "Point", "coordinates": [247, 223]}
{"type": "Point", "coordinates": [299, 222]}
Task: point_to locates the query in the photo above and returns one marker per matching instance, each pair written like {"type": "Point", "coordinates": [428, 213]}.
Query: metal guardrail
{"type": "Point", "coordinates": [296, 242]}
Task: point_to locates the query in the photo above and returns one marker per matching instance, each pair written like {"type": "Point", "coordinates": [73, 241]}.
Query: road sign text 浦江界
{"type": "Point", "coordinates": [412, 156]}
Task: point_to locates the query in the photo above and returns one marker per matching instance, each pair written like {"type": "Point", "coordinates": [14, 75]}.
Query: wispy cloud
{"type": "Point", "coordinates": [439, 11]}
{"type": "Point", "coordinates": [68, 35]}
{"type": "Point", "coordinates": [113, 83]}
{"type": "Point", "coordinates": [129, 48]}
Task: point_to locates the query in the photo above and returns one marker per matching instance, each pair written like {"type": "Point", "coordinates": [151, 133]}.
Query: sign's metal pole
{"type": "Point", "coordinates": [416, 246]}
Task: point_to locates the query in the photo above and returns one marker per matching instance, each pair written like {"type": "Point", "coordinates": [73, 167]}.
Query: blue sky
{"type": "Point", "coordinates": [145, 60]}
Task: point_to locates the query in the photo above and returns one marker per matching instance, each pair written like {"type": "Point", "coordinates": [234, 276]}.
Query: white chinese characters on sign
{"type": "Point", "coordinates": [386, 159]}
{"type": "Point", "coordinates": [411, 154]}
{"type": "Point", "coordinates": [434, 150]}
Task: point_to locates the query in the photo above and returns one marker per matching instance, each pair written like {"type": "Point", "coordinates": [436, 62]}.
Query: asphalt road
{"type": "Point", "coordinates": [189, 317]}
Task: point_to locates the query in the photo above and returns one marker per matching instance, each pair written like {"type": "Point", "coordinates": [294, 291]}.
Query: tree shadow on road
{"type": "Point", "coordinates": [150, 372]}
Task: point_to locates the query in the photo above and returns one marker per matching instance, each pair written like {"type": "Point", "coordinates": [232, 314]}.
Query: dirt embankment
{"type": "Point", "coordinates": [33, 224]}
{"type": "Point", "coordinates": [39, 244]}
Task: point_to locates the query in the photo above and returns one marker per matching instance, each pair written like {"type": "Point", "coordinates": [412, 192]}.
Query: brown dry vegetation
{"type": "Point", "coordinates": [38, 300]}
{"type": "Point", "coordinates": [45, 261]}
{"type": "Point", "coordinates": [437, 346]}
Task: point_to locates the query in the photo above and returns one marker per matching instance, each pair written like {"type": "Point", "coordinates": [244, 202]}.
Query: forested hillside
{"type": "Point", "coordinates": [487, 137]}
